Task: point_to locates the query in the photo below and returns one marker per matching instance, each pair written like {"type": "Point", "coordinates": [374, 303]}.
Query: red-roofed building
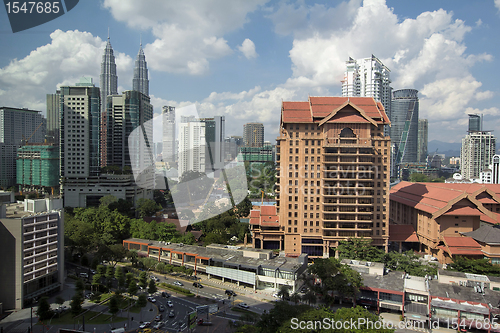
{"type": "Point", "coordinates": [265, 226]}
{"type": "Point", "coordinates": [444, 211]}
{"type": "Point", "coordinates": [333, 174]}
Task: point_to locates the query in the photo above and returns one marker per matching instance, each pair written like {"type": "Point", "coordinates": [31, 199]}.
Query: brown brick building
{"type": "Point", "coordinates": [333, 164]}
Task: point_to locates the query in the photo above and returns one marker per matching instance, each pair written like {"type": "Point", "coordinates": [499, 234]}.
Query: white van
{"type": "Point", "coordinates": [118, 330]}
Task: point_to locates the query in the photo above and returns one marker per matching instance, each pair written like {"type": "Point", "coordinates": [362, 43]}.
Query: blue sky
{"type": "Point", "coordinates": [242, 58]}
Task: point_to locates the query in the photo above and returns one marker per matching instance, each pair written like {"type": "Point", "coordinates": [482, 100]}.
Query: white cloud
{"type": "Point", "coordinates": [497, 4]}
{"type": "Point", "coordinates": [248, 49]}
{"type": "Point", "coordinates": [427, 53]}
{"type": "Point", "coordinates": [188, 33]}
{"type": "Point", "coordinates": [69, 56]}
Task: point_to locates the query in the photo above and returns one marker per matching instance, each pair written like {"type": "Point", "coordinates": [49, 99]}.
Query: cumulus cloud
{"type": "Point", "coordinates": [70, 55]}
{"type": "Point", "coordinates": [497, 4]}
{"type": "Point", "coordinates": [427, 52]}
{"type": "Point", "coordinates": [188, 33]}
{"type": "Point", "coordinates": [248, 49]}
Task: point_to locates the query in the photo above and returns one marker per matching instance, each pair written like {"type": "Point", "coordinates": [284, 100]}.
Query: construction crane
{"type": "Point", "coordinates": [28, 139]}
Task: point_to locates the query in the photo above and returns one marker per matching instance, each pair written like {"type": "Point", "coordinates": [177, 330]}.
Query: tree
{"type": "Point", "coordinates": [244, 207]}
{"type": "Point", "coordinates": [113, 305]}
{"type": "Point", "coordinates": [152, 287]}
{"type": "Point", "coordinates": [85, 261]}
{"type": "Point", "coordinates": [146, 207]}
{"type": "Point", "coordinates": [270, 322]}
{"type": "Point", "coordinates": [76, 304]}
{"type": "Point", "coordinates": [284, 292]}
{"type": "Point", "coordinates": [141, 302]}
{"type": "Point", "coordinates": [107, 200]}
{"type": "Point", "coordinates": [295, 298]}
{"type": "Point", "coordinates": [143, 279]}
{"type": "Point", "coordinates": [110, 272]}
{"type": "Point", "coordinates": [120, 277]}
{"type": "Point", "coordinates": [359, 249]}
{"type": "Point", "coordinates": [132, 288]}
{"type": "Point", "coordinates": [309, 297]}
{"type": "Point", "coordinates": [44, 312]}
{"type": "Point", "coordinates": [79, 286]}
{"type": "Point", "coordinates": [116, 253]}
{"type": "Point", "coordinates": [129, 277]}
{"type": "Point", "coordinates": [133, 257]}
{"type": "Point", "coordinates": [101, 269]}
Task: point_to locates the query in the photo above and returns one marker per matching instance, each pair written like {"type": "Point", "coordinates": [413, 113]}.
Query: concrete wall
{"type": "Point", "coordinates": [11, 273]}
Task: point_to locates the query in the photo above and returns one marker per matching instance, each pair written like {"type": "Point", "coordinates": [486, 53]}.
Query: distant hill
{"type": "Point", "coordinates": [447, 148]}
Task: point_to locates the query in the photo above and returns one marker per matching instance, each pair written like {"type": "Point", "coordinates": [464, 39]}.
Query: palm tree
{"type": "Point", "coordinates": [295, 297]}
{"type": "Point", "coordinates": [310, 297]}
{"type": "Point", "coordinates": [284, 292]}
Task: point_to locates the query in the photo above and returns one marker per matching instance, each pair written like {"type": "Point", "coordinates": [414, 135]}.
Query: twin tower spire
{"type": "Point", "coordinates": [108, 79]}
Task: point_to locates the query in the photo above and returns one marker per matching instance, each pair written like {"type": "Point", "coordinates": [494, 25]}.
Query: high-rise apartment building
{"type": "Point", "coordinates": [125, 113]}
{"type": "Point", "coordinates": [191, 145]}
{"type": "Point", "coordinates": [368, 77]}
{"type": "Point", "coordinates": [108, 86]}
{"type": "Point", "coordinates": [53, 117]}
{"type": "Point", "coordinates": [404, 125]}
{"type": "Point", "coordinates": [32, 247]}
{"type": "Point", "coordinates": [140, 81]}
{"type": "Point", "coordinates": [16, 127]}
{"type": "Point", "coordinates": [422, 142]}
{"type": "Point", "coordinates": [478, 148]}
{"type": "Point", "coordinates": [333, 163]}
{"type": "Point", "coordinates": [169, 148]}
{"type": "Point", "coordinates": [215, 143]}
{"type": "Point", "coordinates": [253, 134]}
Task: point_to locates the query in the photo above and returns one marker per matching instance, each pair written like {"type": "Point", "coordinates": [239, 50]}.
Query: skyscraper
{"type": "Point", "coordinates": [191, 145]}
{"type": "Point", "coordinates": [215, 143]}
{"type": "Point", "coordinates": [80, 119]}
{"type": "Point", "coordinates": [53, 117]}
{"type": "Point", "coordinates": [333, 176]}
{"type": "Point", "coordinates": [368, 77]}
{"type": "Point", "coordinates": [140, 81]}
{"type": "Point", "coordinates": [108, 86]}
{"type": "Point", "coordinates": [169, 149]}
{"type": "Point", "coordinates": [125, 113]}
{"type": "Point", "coordinates": [423, 137]}
{"type": "Point", "coordinates": [478, 148]}
{"type": "Point", "coordinates": [404, 125]}
{"type": "Point", "coordinates": [16, 127]}
{"type": "Point", "coordinates": [253, 134]}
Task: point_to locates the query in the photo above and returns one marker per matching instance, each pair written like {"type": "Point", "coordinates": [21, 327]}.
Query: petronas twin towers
{"type": "Point", "coordinates": [122, 113]}
{"type": "Point", "coordinates": [109, 79]}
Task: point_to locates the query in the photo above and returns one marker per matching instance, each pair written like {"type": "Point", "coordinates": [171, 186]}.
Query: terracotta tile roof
{"type": "Point", "coordinates": [320, 107]}
{"type": "Point", "coordinates": [432, 197]}
{"type": "Point", "coordinates": [402, 233]}
{"type": "Point", "coordinates": [462, 246]}
{"type": "Point", "coordinates": [266, 216]}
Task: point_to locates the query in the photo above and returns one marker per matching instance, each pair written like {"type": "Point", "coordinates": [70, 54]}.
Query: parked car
{"type": "Point", "coordinates": [161, 308]}
{"type": "Point", "coordinates": [197, 285]}
{"type": "Point", "coordinates": [170, 304]}
{"type": "Point", "coordinates": [243, 305]}
{"type": "Point", "coordinates": [171, 314]}
{"type": "Point", "coordinates": [177, 283]}
{"type": "Point", "coordinates": [158, 325]}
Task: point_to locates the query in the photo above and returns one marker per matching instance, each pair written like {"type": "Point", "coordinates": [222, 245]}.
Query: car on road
{"type": "Point", "coordinates": [154, 278]}
{"type": "Point", "coordinates": [152, 299]}
{"type": "Point", "coordinates": [158, 325]}
{"type": "Point", "coordinates": [171, 314]}
{"type": "Point", "coordinates": [161, 308]}
{"type": "Point", "coordinates": [145, 324]}
{"type": "Point", "coordinates": [164, 294]}
{"type": "Point", "coordinates": [177, 283]}
{"type": "Point", "coordinates": [276, 295]}
{"type": "Point", "coordinates": [197, 285]}
{"type": "Point", "coordinates": [84, 275]}
{"type": "Point", "coordinates": [170, 304]}
{"type": "Point", "coordinates": [243, 305]}
{"type": "Point", "coordinates": [230, 293]}
{"type": "Point", "coordinates": [92, 271]}
{"type": "Point", "coordinates": [158, 317]}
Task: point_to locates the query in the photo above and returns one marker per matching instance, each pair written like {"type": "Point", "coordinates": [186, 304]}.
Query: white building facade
{"type": "Point", "coordinates": [191, 145]}
{"type": "Point", "coordinates": [476, 153]}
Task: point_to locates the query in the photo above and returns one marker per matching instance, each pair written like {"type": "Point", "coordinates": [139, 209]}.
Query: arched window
{"type": "Point", "coordinates": [347, 133]}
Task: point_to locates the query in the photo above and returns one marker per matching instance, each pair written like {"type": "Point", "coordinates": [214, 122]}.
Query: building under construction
{"type": "Point", "coordinates": [38, 166]}
{"type": "Point", "coordinates": [258, 154]}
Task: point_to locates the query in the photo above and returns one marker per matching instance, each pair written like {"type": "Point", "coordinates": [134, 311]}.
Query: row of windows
{"type": "Point", "coordinates": [306, 142]}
